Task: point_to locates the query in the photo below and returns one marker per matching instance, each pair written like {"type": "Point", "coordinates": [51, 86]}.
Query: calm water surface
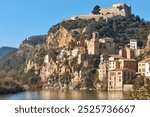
{"type": "Point", "coordinates": [64, 95]}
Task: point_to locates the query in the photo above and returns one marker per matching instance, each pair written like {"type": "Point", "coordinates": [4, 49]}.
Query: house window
{"type": "Point", "coordinates": [119, 73]}
{"type": "Point", "coordinates": [128, 74]}
{"type": "Point", "coordinates": [132, 74]}
{"type": "Point", "coordinates": [112, 74]}
{"type": "Point", "coordinates": [115, 78]}
{"type": "Point", "coordinates": [124, 74]}
{"type": "Point", "coordinates": [143, 70]}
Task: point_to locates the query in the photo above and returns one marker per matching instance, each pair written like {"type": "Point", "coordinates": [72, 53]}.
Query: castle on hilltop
{"type": "Point", "coordinates": [117, 11]}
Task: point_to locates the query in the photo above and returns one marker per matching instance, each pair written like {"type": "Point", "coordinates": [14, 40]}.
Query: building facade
{"type": "Point", "coordinates": [126, 53]}
{"type": "Point", "coordinates": [93, 45]}
{"type": "Point", "coordinates": [117, 78]}
{"type": "Point", "coordinates": [144, 67]}
{"type": "Point", "coordinates": [133, 44]}
{"type": "Point", "coordinates": [147, 68]}
{"type": "Point", "coordinates": [141, 68]}
{"type": "Point", "coordinates": [117, 9]}
{"type": "Point", "coordinates": [128, 63]}
{"type": "Point", "coordinates": [103, 70]}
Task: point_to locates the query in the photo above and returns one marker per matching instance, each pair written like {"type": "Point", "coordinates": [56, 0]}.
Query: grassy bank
{"type": "Point", "coordinates": [9, 86]}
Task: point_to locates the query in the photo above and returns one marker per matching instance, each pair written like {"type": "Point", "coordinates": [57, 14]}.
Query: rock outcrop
{"type": "Point", "coordinates": [147, 48]}
{"type": "Point", "coordinates": [61, 38]}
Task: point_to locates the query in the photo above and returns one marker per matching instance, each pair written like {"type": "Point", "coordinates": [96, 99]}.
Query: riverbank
{"type": "Point", "coordinates": [9, 86]}
{"type": "Point", "coordinates": [64, 95]}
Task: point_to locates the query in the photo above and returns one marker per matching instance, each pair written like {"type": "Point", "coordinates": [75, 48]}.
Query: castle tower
{"type": "Point", "coordinates": [93, 46]}
{"type": "Point", "coordinates": [122, 9]}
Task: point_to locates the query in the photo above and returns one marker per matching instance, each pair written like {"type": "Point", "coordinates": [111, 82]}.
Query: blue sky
{"type": "Point", "coordinates": [20, 19]}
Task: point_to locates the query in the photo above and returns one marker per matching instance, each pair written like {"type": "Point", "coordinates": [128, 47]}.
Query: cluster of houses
{"type": "Point", "coordinates": [117, 65]}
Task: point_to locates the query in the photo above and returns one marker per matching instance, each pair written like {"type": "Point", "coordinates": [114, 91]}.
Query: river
{"type": "Point", "coordinates": [64, 95]}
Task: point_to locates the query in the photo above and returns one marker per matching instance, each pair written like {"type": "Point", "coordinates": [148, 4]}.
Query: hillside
{"type": "Point", "coordinates": [53, 60]}
{"type": "Point", "coordinates": [14, 62]}
{"type": "Point", "coordinates": [6, 50]}
{"type": "Point", "coordinates": [121, 30]}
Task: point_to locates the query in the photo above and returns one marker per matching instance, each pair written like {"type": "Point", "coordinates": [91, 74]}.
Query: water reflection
{"type": "Point", "coordinates": [64, 95]}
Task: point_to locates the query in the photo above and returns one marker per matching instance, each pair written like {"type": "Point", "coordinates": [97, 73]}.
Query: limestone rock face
{"type": "Point", "coordinates": [61, 38]}
{"type": "Point", "coordinates": [147, 47]}
{"type": "Point", "coordinates": [47, 70]}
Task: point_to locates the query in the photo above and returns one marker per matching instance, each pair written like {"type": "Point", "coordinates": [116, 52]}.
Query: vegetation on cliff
{"type": "Point", "coordinates": [121, 30]}
{"type": "Point", "coordinates": [13, 64]}
{"type": "Point", "coordinates": [141, 89]}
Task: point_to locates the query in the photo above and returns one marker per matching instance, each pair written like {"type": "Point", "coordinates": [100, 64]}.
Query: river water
{"type": "Point", "coordinates": [64, 95]}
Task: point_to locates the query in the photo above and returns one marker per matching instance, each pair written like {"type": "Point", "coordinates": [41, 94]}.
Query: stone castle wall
{"type": "Point", "coordinates": [117, 11]}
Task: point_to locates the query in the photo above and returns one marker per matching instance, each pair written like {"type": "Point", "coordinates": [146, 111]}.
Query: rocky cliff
{"type": "Point", "coordinates": [147, 48]}
{"type": "Point", "coordinates": [54, 60]}
{"type": "Point", "coordinates": [61, 38]}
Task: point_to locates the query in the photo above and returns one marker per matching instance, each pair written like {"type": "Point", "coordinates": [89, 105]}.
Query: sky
{"type": "Point", "coordinates": [20, 19]}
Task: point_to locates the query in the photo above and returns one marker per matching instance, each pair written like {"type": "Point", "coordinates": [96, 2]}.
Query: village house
{"type": "Point", "coordinates": [103, 71]}
{"type": "Point", "coordinates": [113, 62]}
{"type": "Point", "coordinates": [107, 45]}
{"type": "Point", "coordinates": [147, 68]}
{"type": "Point", "coordinates": [128, 63]}
{"type": "Point", "coordinates": [132, 50]}
{"type": "Point", "coordinates": [126, 53]}
{"type": "Point", "coordinates": [118, 77]}
{"type": "Point", "coordinates": [133, 44]}
{"type": "Point", "coordinates": [144, 67]}
{"type": "Point", "coordinates": [141, 67]}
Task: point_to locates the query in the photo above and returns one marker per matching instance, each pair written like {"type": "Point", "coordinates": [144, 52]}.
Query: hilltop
{"type": "Point", "coordinates": [6, 50]}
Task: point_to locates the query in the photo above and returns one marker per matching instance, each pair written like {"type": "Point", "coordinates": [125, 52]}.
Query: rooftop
{"type": "Point", "coordinates": [145, 60]}
{"type": "Point", "coordinates": [115, 56]}
{"type": "Point", "coordinates": [118, 69]}
{"type": "Point", "coordinates": [128, 59]}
